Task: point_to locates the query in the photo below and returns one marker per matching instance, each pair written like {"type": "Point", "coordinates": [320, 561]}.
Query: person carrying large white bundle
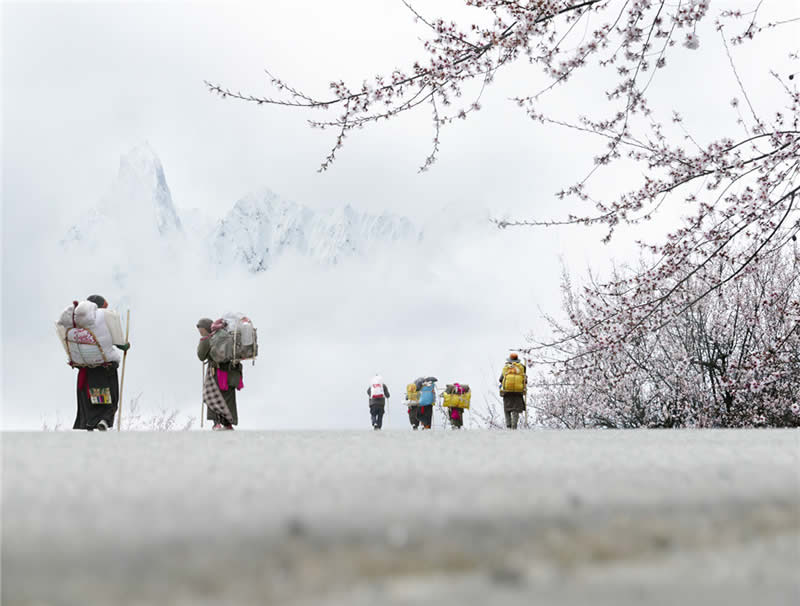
{"type": "Point", "coordinates": [91, 334]}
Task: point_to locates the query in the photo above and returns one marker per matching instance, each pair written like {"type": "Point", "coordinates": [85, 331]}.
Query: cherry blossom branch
{"type": "Point", "coordinates": [738, 78]}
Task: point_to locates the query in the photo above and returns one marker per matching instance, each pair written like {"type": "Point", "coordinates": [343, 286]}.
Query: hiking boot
{"type": "Point", "coordinates": [217, 427]}
{"type": "Point", "coordinates": [227, 427]}
{"type": "Point", "coordinates": [102, 426]}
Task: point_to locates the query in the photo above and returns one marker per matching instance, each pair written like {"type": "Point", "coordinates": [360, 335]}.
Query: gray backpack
{"type": "Point", "coordinates": [238, 340]}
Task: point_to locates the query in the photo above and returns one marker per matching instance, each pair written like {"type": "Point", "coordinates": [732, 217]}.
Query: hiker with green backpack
{"type": "Point", "coordinates": [513, 388]}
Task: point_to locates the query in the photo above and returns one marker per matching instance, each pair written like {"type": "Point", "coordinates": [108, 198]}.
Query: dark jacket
{"type": "Point", "coordinates": [234, 370]}
{"type": "Point", "coordinates": [379, 400]}
{"type": "Point", "coordinates": [514, 402]}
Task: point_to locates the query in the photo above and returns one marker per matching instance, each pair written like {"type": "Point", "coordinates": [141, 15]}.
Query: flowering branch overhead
{"type": "Point", "coordinates": [740, 192]}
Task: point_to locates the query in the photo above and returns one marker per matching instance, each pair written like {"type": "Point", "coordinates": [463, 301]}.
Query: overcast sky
{"type": "Point", "coordinates": [86, 82]}
{"type": "Point", "coordinates": [83, 83]}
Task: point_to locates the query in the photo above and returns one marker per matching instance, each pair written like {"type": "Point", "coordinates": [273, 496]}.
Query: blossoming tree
{"type": "Point", "coordinates": [731, 360]}
{"type": "Point", "coordinates": [740, 192]}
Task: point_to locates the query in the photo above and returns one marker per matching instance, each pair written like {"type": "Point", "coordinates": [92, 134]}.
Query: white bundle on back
{"type": "Point", "coordinates": [84, 333]}
{"type": "Point", "coordinates": [376, 387]}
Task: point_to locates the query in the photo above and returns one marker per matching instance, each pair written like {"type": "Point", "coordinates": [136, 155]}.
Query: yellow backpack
{"type": "Point", "coordinates": [514, 378]}
{"type": "Point", "coordinates": [457, 400]}
{"type": "Point", "coordinates": [412, 395]}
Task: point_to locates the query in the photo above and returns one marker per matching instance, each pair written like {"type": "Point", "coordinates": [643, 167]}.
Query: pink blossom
{"type": "Point", "coordinates": [691, 41]}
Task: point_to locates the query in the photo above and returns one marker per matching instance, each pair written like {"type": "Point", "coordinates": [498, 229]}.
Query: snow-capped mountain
{"type": "Point", "coordinates": [137, 218]}
{"type": "Point", "coordinates": [262, 227]}
{"type": "Point", "coordinates": [138, 204]}
{"type": "Point", "coordinates": [141, 178]}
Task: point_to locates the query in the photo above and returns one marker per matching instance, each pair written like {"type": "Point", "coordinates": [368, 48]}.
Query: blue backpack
{"type": "Point", "coordinates": [428, 395]}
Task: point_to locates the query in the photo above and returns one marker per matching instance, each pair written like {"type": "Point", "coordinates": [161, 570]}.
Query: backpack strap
{"type": "Point", "coordinates": [100, 347]}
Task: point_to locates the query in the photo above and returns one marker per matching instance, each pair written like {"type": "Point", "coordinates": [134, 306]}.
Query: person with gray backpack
{"type": "Point", "coordinates": [223, 346]}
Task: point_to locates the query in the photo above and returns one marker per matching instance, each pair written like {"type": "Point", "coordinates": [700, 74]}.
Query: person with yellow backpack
{"type": "Point", "coordinates": [513, 388]}
{"type": "Point", "coordinates": [412, 401]}
{"type": "Point", "coordinates": [456, 399]}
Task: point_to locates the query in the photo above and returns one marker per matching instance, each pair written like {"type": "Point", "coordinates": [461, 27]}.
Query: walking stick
{"type": "Point", "coordinates": [122, 379]}
{"type": "Point", "coordinates": [202, 404]}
